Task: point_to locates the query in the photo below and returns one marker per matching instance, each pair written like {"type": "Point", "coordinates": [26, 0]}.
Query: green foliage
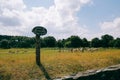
{"type": "Point", "coordinates": [112, 43]}
{"type": "Point", "coordinates": [96, 42]}
{"type": "Point", "coordinates": [43, 44]}
{"type": "Point", "coordinates": [106, 40]}
{"type": "Point", "coordinates": [76, 41]}
{"type": "Point", "coordinates": [117, 43]}
{"type": "Point", "coordinates": [18, 41]}
{"type": "Point", "coordinates": [50, 41]}
{"type": "Point", "coordinates": [73, 41]}
{"type": "Point", "coordinates": [85, 42]}
{"type": "Point", "coordinates": [4, 44]}
{"type": "Point", "coordinates": [60, 44]}
{"type": "Point", "coordinates": [68, 44]}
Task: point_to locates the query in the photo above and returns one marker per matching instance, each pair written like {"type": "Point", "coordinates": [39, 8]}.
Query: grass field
{"type": "Point", "coordinates": [19, 64]}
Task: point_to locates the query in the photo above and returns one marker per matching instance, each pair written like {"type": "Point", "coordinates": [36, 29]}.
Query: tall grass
{"type": "Point", "coordinates": [19, 64]}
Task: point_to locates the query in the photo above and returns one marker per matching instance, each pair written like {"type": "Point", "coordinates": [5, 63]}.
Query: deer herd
{"type": "Point", "coordinates": [79, 50]}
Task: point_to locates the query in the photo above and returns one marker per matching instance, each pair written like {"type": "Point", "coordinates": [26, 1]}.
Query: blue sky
{"type": "Point", "coordinates": [62, 18]}
{"type": "Point", "coordinates": [38, 3]}
{"type": "Point", "coordinates": [99, 11]}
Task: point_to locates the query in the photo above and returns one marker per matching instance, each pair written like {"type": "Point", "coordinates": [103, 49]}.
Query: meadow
{"type": "Point", "coordinates": [19, 64]}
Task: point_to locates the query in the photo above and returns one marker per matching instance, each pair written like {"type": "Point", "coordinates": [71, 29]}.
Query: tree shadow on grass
{"type": "Point", "coordinates": [44, 71]}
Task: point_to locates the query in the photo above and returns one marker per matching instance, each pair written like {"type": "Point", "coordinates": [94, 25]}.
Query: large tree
{"type": "Point", "coordinates": [4, 44]}
{"type": "Point", "coordinates": [95, 42]}
{"type": "Point", "coordinates": [50, 41]}
{"type": "Point", "coordinates": [106, 39]}
{"type": "Point", "coordinates": [60, 44]}
{"type": "Point", "coordinates": [117, 43]}
{"type": "Point", "coordinates": [75, 41]}
{"type": "Point", "coordinates": [85, 42]}
{"type": "Point", "coordinates": [68, 44]}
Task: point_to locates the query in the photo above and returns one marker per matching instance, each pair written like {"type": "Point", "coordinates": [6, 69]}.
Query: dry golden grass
{"type": "Point", "coordinates": [19, 64]}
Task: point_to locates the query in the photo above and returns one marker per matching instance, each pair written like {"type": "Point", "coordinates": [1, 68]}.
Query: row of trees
{"type": "Point", "coordinates": [49, 41]}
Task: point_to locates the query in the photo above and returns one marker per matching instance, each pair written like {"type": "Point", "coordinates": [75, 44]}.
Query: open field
{"type": "Point", "coordinates": [19, 64]}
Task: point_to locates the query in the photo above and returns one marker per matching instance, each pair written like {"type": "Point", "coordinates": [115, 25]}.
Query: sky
{"type": "Point", "coordinates": [62, 18]}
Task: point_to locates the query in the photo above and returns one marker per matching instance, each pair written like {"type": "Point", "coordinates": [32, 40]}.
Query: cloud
{"type": "Point", "coordinates": [12, 4]}
{"type": "Point", "coordinates": [9, 18]}
{"type": "Point", "coordinates": [10, 22]}
{"type": "Point", "coordinates": [60, 19]}
{"type": "Point", "coordinates": [111, 27]}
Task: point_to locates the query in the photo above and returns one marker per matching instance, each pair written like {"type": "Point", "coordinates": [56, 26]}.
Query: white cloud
{"type": "Point", "coordinates": [111, 27]}
{"type": "Point", "coordinates": [60, 19]}
{"type": "Point", "coordinates": [12, 4]}
{"type": "Point", "coordinates": [10, 23]}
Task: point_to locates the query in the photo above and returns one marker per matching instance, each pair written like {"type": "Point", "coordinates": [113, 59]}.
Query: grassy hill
{"type": "Point", "coordinates": [19, 64]}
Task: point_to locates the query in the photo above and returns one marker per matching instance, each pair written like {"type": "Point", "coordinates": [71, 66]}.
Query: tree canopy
{"type": "Point", "coordinates": [73, 41]}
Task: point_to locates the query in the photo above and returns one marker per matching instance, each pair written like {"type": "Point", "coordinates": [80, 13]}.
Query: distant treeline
{"type": "Point", "coordinates": [105, 41]}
